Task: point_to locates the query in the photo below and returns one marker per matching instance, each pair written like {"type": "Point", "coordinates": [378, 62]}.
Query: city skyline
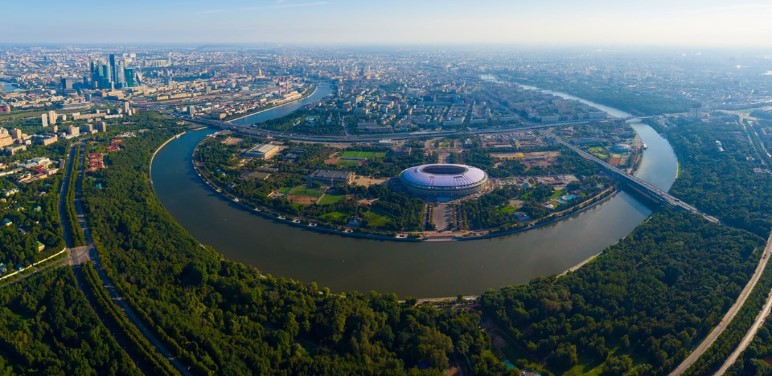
{"type": "Point", "coordinates": [555, 23]}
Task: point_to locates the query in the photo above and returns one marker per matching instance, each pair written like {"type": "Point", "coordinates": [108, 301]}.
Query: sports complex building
{"type": "Point", "coordinates": [443, 181]}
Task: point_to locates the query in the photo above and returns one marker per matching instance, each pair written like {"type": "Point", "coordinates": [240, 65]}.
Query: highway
{"type": "Point", "coordinates": [640, 183]}
{"type": "Point", "coordinates": [88, 253]}
{"type": "Point", "coordinates": [729, 316]}
{"type": "Point", "coordinates": [760, 318]}
{"type": "Point", "coordinates": [369, 137]}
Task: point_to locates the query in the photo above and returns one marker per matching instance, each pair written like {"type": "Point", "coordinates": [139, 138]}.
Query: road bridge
{"type": "Point", "coordinates": [637, 183]}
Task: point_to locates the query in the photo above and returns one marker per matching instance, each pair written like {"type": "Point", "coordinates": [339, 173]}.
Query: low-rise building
{"type": "Point", "coordinates": [331, 177]}
{"type": "Point", "coordinates": [264, 151]}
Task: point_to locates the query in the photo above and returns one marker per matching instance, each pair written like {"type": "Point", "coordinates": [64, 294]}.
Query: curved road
{"type": "Point", "coordinates": [716, 332]}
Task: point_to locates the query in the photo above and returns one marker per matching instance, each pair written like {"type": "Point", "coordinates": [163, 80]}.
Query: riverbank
{"type": "Point", "coordinates": [150, 168]}
{"type": "Point", "coordinates": [303, 96]}
{"type": "Point", "coordinates": [405, 236]}
{"type": "Point", "coordinates": [426, 269]}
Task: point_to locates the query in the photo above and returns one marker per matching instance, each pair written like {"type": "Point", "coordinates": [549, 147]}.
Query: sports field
{"type": "Point", "coordinates": [363, 154]}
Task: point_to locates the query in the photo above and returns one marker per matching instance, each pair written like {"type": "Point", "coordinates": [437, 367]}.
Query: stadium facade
{"type": "Point", "coordinates": [443, 181]}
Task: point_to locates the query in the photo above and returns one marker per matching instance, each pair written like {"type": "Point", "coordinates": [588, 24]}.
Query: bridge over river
{"type": "Point", "coordinates": [638, 184]}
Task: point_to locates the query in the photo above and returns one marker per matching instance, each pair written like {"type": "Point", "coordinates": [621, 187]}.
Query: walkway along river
{"type": "Point", "coordinates": [424, 269]}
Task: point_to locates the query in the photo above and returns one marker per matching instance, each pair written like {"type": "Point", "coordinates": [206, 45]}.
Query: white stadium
{"type": "Point", "coordinates": [443, 181]}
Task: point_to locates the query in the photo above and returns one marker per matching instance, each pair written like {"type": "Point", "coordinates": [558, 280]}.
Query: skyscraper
{"type": "Point", "coordinates": [113, 74]}
{"type": "Point", "coordinates": [66, 84]}
{"type": "Point", "coordinates": [120, 74]}
{"type": "Point", "coordinates": [112, 66]}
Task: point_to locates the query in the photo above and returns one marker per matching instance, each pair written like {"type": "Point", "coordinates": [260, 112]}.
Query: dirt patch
{"type": "Point", "coordinates": [366, 181]}
{"type": "Point", "coordinates": [302, 200]}
{"type": "Point", "coordinates": [231, 141]}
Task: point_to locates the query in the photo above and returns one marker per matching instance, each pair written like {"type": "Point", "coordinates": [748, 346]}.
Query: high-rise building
{"type": "Point", "coordinates": [17, 134]}
{"type": "Point", "coordinates": [44, 120]}
{"type": "Point", "coordinates": [113, 73]}
{"type": "Point", "coordinates": [120, 75]}
{"type": "Point", "coordinates": [131, 77]}
{"type": "Point", "coordinates": [127, 108]}
{"type": "Point", "coordinates": [66, 83]}
{"type": "Point", "coordinates": [74, 131]}
{"type": "Point", "coordinates": [112, 66]}
{"type": "Point", "coordinates": [695, 112]}
{"type": "Point", "coordinates": [52, 117]}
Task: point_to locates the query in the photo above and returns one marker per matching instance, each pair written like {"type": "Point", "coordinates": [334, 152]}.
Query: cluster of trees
{"type": "Point", "coordinates": [632, 100]}
{"type": "Point", "coordinates": [306, 121]}
{"type": "Point", "coordinates": [725, 344]}
{"type": "Point", "coordinates": [757, 358]}
{"type": "Point", "coordinates": [640, 307]}
{"type": "Point", "coordinates": [223, 317]}
{"type": "Point", "coordinates": [721, 183]}
{"type": "Point", "coordinates": [47, 327]}
{"type": "Point", "coordinates": [33, 211]}
{"type": "Point", "coordinates": [128, 335]}
{"type": "Point", "coordinates": [485, 212]}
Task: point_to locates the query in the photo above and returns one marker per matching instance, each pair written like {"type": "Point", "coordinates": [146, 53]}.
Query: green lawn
{"type": "Point", "coordinates": [363, 154]}
{"type": "Point", "coordinates": [508, 209]}
{"type": "Point", "coordinates": [304, 190]}
{"type": "Point", "coordinates": [330, 199]}
{"type": "Point", "coordinates": [556, 194]}
{"type": "Point", "coordinates": [335, 217]}
{"type": "Point", "coordinates": [375, 220]}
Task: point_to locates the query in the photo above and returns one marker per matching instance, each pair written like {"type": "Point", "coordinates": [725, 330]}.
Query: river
{"type": "Point", "coordinates": [422, 269]}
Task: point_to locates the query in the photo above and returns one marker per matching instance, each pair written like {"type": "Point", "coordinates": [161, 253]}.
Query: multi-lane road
{"type": "Point", "coordinates": [729, 316]}
{"type": "Point", "coordinates": [80, 255]}
{"type": "Point", "coordinates": [760, 318]}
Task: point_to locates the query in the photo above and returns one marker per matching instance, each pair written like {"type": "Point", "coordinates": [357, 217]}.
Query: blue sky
{"type": "Point", "coordinates": [533, 22]}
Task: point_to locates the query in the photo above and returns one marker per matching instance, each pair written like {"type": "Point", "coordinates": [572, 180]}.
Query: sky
{"type": "Point", "coordinates": [698, 23]}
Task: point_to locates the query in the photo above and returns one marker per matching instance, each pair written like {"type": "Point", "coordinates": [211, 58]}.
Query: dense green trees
{"type": "Point", "coordinates": [47, 327]}
{"type": "Point", "coordinates": [651, 298]}
{"type": "Point", "coordinates": [721, 183]}
{"type": "Point", "coordinates": [757, 358]}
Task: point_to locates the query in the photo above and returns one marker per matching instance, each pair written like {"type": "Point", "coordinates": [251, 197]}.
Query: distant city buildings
{"type": "Point", "coordinates": [112, 74]}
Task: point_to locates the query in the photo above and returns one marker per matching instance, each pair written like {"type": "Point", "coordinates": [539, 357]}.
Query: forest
{"type": "Point", "coordinates": [721, 183]}
{"type": "Point", "coordinates": [757, 359]}
{"type": "Point", "coordinates": [638, 308]}
{"type": "Point", "coordinates": [47, 327]}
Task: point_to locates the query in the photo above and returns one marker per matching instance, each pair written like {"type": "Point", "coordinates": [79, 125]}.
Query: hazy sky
{"type": "Point", "coordinates": [532, 22]}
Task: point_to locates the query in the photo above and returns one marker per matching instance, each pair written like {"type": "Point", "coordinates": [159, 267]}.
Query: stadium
{"type": "Point", "coordinates": [443, 181]}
